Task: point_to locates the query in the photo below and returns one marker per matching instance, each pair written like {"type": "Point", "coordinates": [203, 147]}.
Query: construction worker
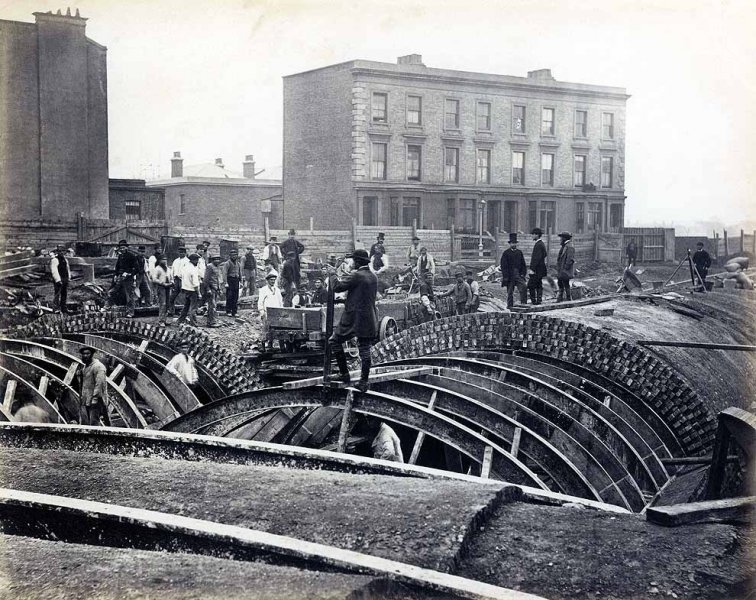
{"type": "Point", "coordinates": [413, 252]}
{"type": "Point", "coordinates": [426, 265]}
{"type": "Point", "coordinates": [537, 270]}
{"type": "Point", "coordinates": [427, 298]}
{"type": "Point", "coordinates": [125, 280]}
{"type": "Point", "coordinates": [301, 298]}
{"type": "Point", "coordinates": [213, 277]}
{"type": "Point", "coordinates": [143, 278]}
{"type": "Point", "coordinates": [190, 286]}
{"type": "Point", "coordinates": [270, 296]}
{"type": "Point", "coordinates": [386, 444]}
{"type": "Point", "coordinates": [565, 266]}
{"type": "Point", "coordinates": [94, 390]}
{"type": "Point", "coordinates": [359, 319]}
{"type": "Point", "coordinates": [176, 268]}
{"type": "Point", "coordinates": [379, 262]}
{"type": "Point", "coordinates": [632, 252]}
{"type": "Point", "coordinates": [272, 253]}
{"type": "Point", "coordinates": [182, 365]}
{"type": "Point", "coordinates": [462, 294]}
{"type": "Point", "coordinates": [513, 272]}
{"type": "Point", "coordinates": [61, 275]}
{"type": "Point", "coordinates": [249, 267]}
{"type": "Point", "coordinates": [702, 261]}
{"type": "Point", "coordinates": [320, 295]}
{"type": "Point", "coordinates": [475, 291]}
{"type": "Point", "coordinates": [288, 280]}
{"type": "Point", "coordinates": [292, 244]}
{"type": "Point", "coordinates": [162, 283]}
{"type": "Point", "coordinates": [232, 276]}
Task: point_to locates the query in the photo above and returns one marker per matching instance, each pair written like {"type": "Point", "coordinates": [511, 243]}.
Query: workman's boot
{"type": "Point", "coordinates": [539, 296]}
{"type": "Point", "coordinates": [363, 385]}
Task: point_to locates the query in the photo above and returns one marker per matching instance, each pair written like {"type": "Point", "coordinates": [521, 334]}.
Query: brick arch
{"type": "Point", "coordinates": [652, 380]}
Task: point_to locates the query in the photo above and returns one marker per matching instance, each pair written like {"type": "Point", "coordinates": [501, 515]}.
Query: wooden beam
{"type": "Point", "coordinates": [695, 460]}
{"type": "Point", "coordinates": [703, 345]}
{"type": "Point", "coordinates": [710, 511]}
{"type": "Point", "coordinates": [70, 373]}
{"type": "Point", "coordinates": [516, 441]}
{"type": "Point", "coordinates": [116, 372]}
{"type": "Point", "coordinates": [44, 381]}
{"type": "Point", "coordinates": [388, 375]}
{"type": "Point", "coordinates": [10, 393]}
{"type": "Point", "coordinates": [143, 345]}
{"type": "Point", "coordinates": [421, 434]}
{"type": "Point", "coordinates": [485, 468]}
{"type": "Point", "coordinates": [346, 416]}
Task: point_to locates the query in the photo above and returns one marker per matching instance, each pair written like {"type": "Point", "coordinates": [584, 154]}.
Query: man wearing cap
{"type": "Point", "coordinates": [182, 365]}
{"type": "Point", "coordinates": [213, 277]}
{"type": "Point", "coordinates": [475, 291]}
{"type": "Point", "coordinates": [190, 286]}
{"type": "Point", "coordinates": [143, 278]}
{"type": "Point", "coordinates": [61, 274]}
{"type": "Point", "coordinates": [413, 252]}
{"type": "Point", "coordinates": [427, 298]}
{"type": "Point", "coordinates": [270, 296]}
{"type": "Point", "coordinates": [162, 282]}
{"type": "Point", "coordinates": [359, 319]}
{"type": "Point", "coordinates": [301, 298]}
{"type": "Point", "coordinates": [380, 240]}
{"type": "Point", "coordinates": [94, 390]}
{"type": "Point", "coordinates": [176, 269]}
{"type": "Point", "coordinates": [426, 265]}
{"type": "Point", "coordinates": [126, 271]}
{"type": "Point", "coordinates": [292, 244]}
{"type": "Point", "coordinates": [320, 295]}
{"type": "Point", "coordinates": [272, 253]}
{"type": "Point", "coordinates": [232, 274]}
{"type": "Point", "coordinates": [513, 271]}
{"type": "Point", "coordinates": [565, 266]}
{"type": "Point", "coordinates": [537, 270]}
{"type": "Point", "coordinates": [461, 292]}
{"type": "Point", "coordinates": [249, 266]}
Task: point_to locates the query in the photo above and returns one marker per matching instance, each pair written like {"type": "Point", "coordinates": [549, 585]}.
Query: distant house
{"type": "Point", "coordinates": [132, 200]}
{"type": "Point", "coordinates": [211, 194]}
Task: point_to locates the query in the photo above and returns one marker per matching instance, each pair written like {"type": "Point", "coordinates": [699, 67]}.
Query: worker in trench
{"type": "Point", "coordinates": [94, 390]}
{"type": "Point", "coordinates": [359, 319]}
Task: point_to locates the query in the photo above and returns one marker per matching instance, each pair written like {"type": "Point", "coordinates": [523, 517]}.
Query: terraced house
{"type": "Point", "coordinates": [397, 144]}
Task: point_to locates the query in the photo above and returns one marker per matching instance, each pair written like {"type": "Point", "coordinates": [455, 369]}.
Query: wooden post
{"type": "Point", "coordinates": [328, 327]}
{"type": "Point", "coordinates": [80, 227]}
{"type": "Point", "coordinates": [10, 393]}
{"type": "Point", "coordinates": [354, 234]}
{"type": "Point", "coordinates": [496, 244]}
{"type": "Point", "coordinates": [72, 368]}
{"type": "Point", "coordinates": [44, 382]}
{"type": "Point", "coordinates": [414, 227]}
{"type": "Point", "coordinates": [421, 435]}
{"type": "Point", "coordinates": [516, 441]}
{"type": "Point", "coordinates": [345, 418]}
{"type": "Point", "coordinates": [485, 468]}
{"type": "Point", "coordinates": [716, 245]}
{"type": "Point", "coordinates": [596, 244]}
{"type": "Point", "coordinates": [266, 230]}
{"type": "Point", "coordinates": [312, 224]}
{"type": "Point", "coordinates": [718, 462]}
{"type": "Point", "coordinates": [727, 245]}
{"type": "Point", "coordinates": [451, 249]}
{"type": "Point", "coordinates": [742, 241]}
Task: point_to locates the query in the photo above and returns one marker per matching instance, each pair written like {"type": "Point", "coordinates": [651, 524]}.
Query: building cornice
{"type": "Point", "coordinates": [447, 188]}
{"type": "Point", "coordinates": [215, 181]}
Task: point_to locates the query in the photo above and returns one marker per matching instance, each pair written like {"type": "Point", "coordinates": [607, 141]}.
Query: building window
{"type": "Point", "coordinates": [518, 119]}
{"type": "Point", "coordinates": [547, 121]}
{"type": "Point", "coordinates": [369, 210]}
{"type": "Point", "coordinates": [615, 217]}
{"type": "Point", "coordinates": [451, 212]}
{"type": "Point", "coordinates": [484, 166]}
{"type": "Point", "coordinates": [547, 169]}
{"type": "Point", "coordinates": [518, 168]}
{"type": "Point", "coordinates": [182, 204]}
{"type": "Point", "coordinates": [414, 110]}
{"type": "Point", "coordinates": [607, 126]}
{"type": "Point", "coordinates": [133, 209]}
{"type": "Point", "coordinates": [451, 164]}
{"type": "Point", "coordinates": [581, 123]}
{"type": "Point", "coordinates": [411, 212]}
{"type": "Point", "coordinates": [467, 215]}
{"type": "Point", "coordinates": [579, 170]}
{"type": "Point", "coordinates": [483, 116]}
{"type": "Point", "coordinates": [414, 157]}
{"type": "Point", "coordinates": [532, 214]}
{"type": "Point", "coordinates": [378, 161]}
{"type": "Point", "coordinates": [594, 216]}
{"type": "Point", "coordinates": [379, 108]}
{"type": "Point", "coordinates": [607, 168]}
{"type": "Point", "coordinates": [580, 217]}
{"type": "Point", "coordinates": [451, 114]}
{"type": "Point", "coordinates": [547, 215]}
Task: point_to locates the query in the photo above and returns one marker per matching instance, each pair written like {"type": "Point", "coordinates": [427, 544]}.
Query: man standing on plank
{"type": "Point", "coordinates": [537, 270]}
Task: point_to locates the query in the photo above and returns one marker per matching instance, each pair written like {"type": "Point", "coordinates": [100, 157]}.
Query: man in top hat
{"type": "Point", "coordinates": [565, 266]}
{"type": "Point", "coordinates": [461, 292]}
{"type": "Point", "coordinates": [61, 274]}
{"type": "Point", "coordinates": [270, 296]}
{"type": "Point", "coordinates": [380, 240]}
{"type": "Point", "coordinates": [359, 319]}
{"type": "Point", "coordinates": [413, 252]}
{"type": "Point", "coordinates": [631, 251]}
{"type": "Point", "coordinates": [513, 272]}
{"type": "Point", "coordinates": [232, 275]}
{"type": "Point", "coordinates": [127, 269]}
{"type": "Point", "coordinates": [272, 253]}
{"type": "Point", "coordinates": [190, 286]}
{"type": "Point", "coordinates": [249, 266]}
{"type": "Point", "coordinates": [94, 390]}
{"type": "Point", "coordinates": [537, 270]}
{"type": "Point", "coordinates": [292, 244]}
{"type": "Point", "coordinates": [213, 277]}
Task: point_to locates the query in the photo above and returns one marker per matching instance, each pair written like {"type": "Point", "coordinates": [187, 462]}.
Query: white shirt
{"type": "Point", "coordinates": [269, 296]}
{"type": "Point", "coordinates": [161, 276]}
{"type": "Point", "coordinates": [54, 268]}
{"type": "Point", "coordinates": [183, 367]}
{"type": "Point", "coordinates": [271, 250]}
{"type": "Point", "coordinates": [201, 267]}
{"type": "Point", "coordinates": [178, 265]}
{"type": "Point", "coordinates": [475, 288]}
{"type": "Point", "coordinates": [385, 259]}
{"type": "Point", "coordinates": [190, 278]}
{"type": "Point", "coordinates": [151, 264]}
{"type": "Point", "coordinates": [386, 445]}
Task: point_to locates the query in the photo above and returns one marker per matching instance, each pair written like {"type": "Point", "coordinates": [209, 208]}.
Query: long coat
{"type": "Point", "coordinates": [566, 262]}
{"type": "Point", "coordinates": [512, 265]}
{"type": "Point", "coordinates": [538, 259]}
{"type": "Point", "coordinates": [360, 317]}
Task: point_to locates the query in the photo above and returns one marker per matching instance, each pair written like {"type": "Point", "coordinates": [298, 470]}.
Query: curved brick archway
{"type": "Point", "coordinates": [653, 381]}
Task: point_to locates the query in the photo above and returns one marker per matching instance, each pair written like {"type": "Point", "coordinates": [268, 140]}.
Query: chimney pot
{"type": "Point", "coordinates": [219, 162]}
{"type": "Point", "coordinates": [177, 155]}
{"type": "Point", "coordinates": [177, 165]}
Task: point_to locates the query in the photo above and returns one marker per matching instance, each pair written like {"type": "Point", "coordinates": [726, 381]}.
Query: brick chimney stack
{"type": "Point", "coordinates": [248, 166]}
{"type": "Point", "coordinates": [177, 165]}
{"type": "Point", "coordinates": [219, 162]}
{"type": "Point", "coordinates": [411, 59]}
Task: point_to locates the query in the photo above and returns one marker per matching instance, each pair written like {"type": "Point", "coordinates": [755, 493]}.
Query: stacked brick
{"type": "Point", "coordinates": [651, 380]}
{"type": "Point", "coordinates": [231, 372]}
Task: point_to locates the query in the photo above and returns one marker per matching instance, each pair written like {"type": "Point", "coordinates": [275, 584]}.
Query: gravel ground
{"type": "Point", "coordinates": [572, 553]}
{"type": "Point", "coordinates": [411, 520]}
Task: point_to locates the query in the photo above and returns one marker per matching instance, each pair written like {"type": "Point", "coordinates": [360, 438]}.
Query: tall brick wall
{"type": "Point", "coordinates": [36, 233]}
{"type": "Point", "coordinates": [97, 131]}
{"type": "Point", "coordinates": [655, 382]}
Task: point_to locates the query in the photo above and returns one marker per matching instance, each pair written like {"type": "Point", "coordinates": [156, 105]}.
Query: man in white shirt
{"type": "Point", "coordinates": [176, 268]}
{"type": "Point", "coordinates": [162, 282]}
{"type": "Point", "coordinates": [272, 253]}
{"type": "Point", "coordinates": [386, 445]}
{"type": "Point", "coordinates": [61, 274]}
{"type": "Point", "coordinates": [426, 265]}
{"type": "Point", "coordinates": [475, 289]}
{"type": "Point", "coordinates": [143, 277]}
{"type": "Point", "coordinates": [182, 365]}
{"type": "Point", "coordinates": [379, 261]}
{"type": "Point", "coordinates": [190, 286]}
{"type": "Point", "coordinates": [153, 259]}
{"type": "Point", "coordinates": [270, 295]}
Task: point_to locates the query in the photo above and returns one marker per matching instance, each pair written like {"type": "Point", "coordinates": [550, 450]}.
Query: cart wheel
{"type": "Point", "coordinates": [352, 349]}
{"type": "Point", "coordinates": [388, 327]}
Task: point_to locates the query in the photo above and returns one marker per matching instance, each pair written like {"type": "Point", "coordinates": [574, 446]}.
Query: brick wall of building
{"type": "Point", "coordinates": [151, 200]}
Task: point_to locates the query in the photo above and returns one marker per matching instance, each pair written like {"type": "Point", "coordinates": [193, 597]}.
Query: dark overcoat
{"type": "Point", "coordinates": [538, 259]}
{"type": "Point", "coordinates": [360, 317]}
{"type": "Point", "coordinates": [512, 265]}
{"type": "Point", "coordinates": [566, 262]}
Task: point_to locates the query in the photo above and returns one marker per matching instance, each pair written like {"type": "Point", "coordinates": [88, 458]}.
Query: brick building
{"type": "Point", "coordinates": [211, 194]}
{"type": "Point", "coordinates": [390, 144]}
{"type": "Point", "coordinates": [132, 200]}
{"type": "Point", "coordinates": [53, 120]}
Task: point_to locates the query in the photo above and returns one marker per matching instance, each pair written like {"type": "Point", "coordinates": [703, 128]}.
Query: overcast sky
{"type": "Point", "coordinates": [205, 77]}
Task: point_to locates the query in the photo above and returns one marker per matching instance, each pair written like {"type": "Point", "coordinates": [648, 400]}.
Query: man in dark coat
{"type": "Point", "coordinates": [292, 245]}
{"type": "Point", "coordinates": [359, 319]}
{"type": "Point", "coordinates": [631, 251]}
{"type": "Point", "coordinates": [537, 269]}
{"type": "Point", "coordinates": [289, 278]}
{"type": "Point", "coordinates": [61, 274]}
{"type": "Point", "coordinates": [565, 266]}
{"type": "Point", "coordinates": [702, 261]}
{"type": "Point", "coordinates": [513, 271]}
{"type": "Point", "coordinates": [127, 269]}
{"type": "Point", "coordinates": [380, 240]}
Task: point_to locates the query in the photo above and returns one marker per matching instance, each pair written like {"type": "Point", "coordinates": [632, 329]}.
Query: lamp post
{"type": "Point", "coordinates": [480, 229]}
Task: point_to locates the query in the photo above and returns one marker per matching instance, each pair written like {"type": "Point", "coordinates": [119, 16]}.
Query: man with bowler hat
{"type": "Point", "coordinates": [513, 271]}
{"type": "Point", "coordinates": [565, 266]}
{"type": "Point", "coordinates": [537, 270]}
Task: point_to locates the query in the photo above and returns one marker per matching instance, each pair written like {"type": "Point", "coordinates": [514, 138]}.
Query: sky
{"type": "Point", "coordinates": [204, 78]}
